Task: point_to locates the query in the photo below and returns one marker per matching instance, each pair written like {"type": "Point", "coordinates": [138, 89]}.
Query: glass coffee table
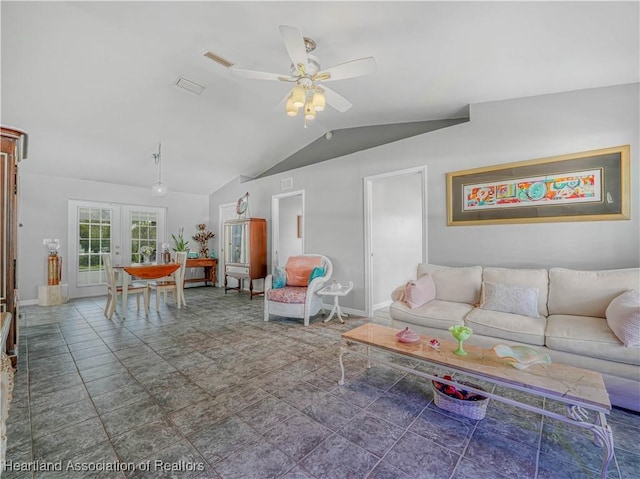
{"type": "Point", "coordinates": [579, 389]}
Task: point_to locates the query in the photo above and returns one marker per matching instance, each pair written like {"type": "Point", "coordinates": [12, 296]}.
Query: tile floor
{"type": "Point", "coordinates": [213, 391]}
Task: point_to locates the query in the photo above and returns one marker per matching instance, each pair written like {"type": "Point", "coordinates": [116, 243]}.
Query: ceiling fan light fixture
{"type": "Point", "coordinates": [318, 101]}
{"type": "Point", "coordinates": [309, 111]}
{"type": "Point", "coordinates": [292, 110]}
{"type": "Point", "coordinates": [298, 96]}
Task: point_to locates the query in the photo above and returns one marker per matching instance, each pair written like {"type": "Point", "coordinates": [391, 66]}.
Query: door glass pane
{"type": "Point", "coordinates": [144, 233]}
{"type": "Point", "coordinates": [94, 238]}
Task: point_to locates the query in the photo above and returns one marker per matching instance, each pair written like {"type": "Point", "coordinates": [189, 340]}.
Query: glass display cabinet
{"type": "Point", "coordinates": [14, 150]}
{"type": "Point", "coordinates": [245, 254]}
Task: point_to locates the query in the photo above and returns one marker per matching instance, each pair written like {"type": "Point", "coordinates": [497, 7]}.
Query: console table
{"type": "Point", "coordinates": [210, 266]}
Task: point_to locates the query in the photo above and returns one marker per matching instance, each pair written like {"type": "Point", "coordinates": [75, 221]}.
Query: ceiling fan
{"type": "Point", "coordinates": [310, 93]}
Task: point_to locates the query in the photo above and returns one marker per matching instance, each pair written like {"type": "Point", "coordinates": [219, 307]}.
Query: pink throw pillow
{"type": "Point", "coordinates": [299, 269]}
{"type": "Point", "coordinates": [420, 291]}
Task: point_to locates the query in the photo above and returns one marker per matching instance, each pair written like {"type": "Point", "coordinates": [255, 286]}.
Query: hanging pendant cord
{"type": "Point", "coordinates": [158, 160]}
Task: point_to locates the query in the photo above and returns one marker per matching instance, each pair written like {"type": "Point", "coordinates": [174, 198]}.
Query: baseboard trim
{"type": "Point", "coordinates": [327, 307]}
{"type": "Point", "coordinates": [384, 304]}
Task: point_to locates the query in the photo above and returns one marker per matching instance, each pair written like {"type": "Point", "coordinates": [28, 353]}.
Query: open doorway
{"type": "Point", "coordinates": [395, 232]}
{"type": "Point", "coordinates": [287, 226]}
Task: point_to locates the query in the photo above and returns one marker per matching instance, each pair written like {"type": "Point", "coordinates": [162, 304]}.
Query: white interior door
{"type": "Point", "coordinates": [96, 228]}
{"type": "Point", "coordinates": [395, 232]}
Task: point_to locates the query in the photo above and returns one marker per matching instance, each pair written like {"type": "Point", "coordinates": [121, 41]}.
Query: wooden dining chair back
{"type": "Point", "coordinates": [173, 283]}
{"type": "Point", "coordinates": [114, 290]}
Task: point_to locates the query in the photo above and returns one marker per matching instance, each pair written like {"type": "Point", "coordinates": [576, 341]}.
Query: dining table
{"type": "Point", "coordinates": [145, 271]}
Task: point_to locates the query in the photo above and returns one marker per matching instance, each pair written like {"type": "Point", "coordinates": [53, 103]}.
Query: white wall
{"type": "Point", "coordinates": [499, 132]}
{"type": "Point", "coordinates": [43, 214]}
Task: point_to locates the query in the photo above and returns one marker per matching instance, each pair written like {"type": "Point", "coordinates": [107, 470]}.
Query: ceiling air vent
{"type": "Point", "coordinates": [189, 86]}
{"type": "Point", "coordinates": [218, 59]}
{"type": "Point", "coordinates": [286, 183]}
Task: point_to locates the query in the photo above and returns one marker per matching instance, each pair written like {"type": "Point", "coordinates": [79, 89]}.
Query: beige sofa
{"type": "Point", "coordinates": [571, 326]}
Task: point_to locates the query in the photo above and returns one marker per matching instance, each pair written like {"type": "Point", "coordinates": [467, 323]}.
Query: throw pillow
{"type": "Point", "coordinates": [317, 272]}
{"type": "Point", "coordinates": [510, 298]}
{"type": "Point", "coordinates": [299, 268]}
{"type": "Point", "coordinates": [623, 317]}
{"type": "Point", "coordinates": [279, 278]}
{"type": "Point", "coordinates": [420, 291]}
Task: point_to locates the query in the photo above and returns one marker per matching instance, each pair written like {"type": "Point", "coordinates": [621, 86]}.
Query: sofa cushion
{"type": "Point", "coordinates": [420, 291]}
{"type": "Point", "coordinates": [299, 269]}
{"type": "Point", "coordinates": [515, 327]}
{"type": "Point", "coordinates": [458, 284]}
{"type": "Point", "coordinates": [588, 293]}
{"type": "Point", "coordinates": [509, 298]}
{"type": "Point", "coordinates": [434, 314]}
{"type": "Point", "coordinates": [588, 336]}
{"type": "Point", "coordinates": [531, 278]}
{"type": "Point", "coordinates": [623, 317]}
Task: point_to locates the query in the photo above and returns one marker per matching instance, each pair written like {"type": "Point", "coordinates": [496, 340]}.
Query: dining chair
{"type": "Point", "coordinates": [174, 283]}
{"type": "Point", "coordinates": [114, 290]}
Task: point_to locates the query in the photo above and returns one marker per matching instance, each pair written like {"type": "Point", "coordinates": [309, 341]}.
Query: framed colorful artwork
{"type": "Point", "coordinates": [587, 186]}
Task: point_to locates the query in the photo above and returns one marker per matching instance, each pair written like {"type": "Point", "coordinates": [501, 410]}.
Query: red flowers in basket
{"type": "Point", "coordinates": [456, 393]}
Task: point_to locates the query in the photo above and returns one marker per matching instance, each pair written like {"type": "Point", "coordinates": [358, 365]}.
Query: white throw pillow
{"type": "Point", "coordinates": [623, 317]}
{"type": "Point", "coordinates": [509, 298]}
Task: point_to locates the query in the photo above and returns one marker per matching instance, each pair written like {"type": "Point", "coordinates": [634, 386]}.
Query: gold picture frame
{"type": "Point", "coordinates": [587, 186]}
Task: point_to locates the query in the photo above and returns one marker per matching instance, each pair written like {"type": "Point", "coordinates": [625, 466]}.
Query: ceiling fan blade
{"type": "Point", "coordinates": [336, 100]}
{"type": "Point", "coordinates": [294, 43]}
{"type": "Point", "coordinates": [354, 68]}
{"type": "Point", "coordinates": [255, 75]}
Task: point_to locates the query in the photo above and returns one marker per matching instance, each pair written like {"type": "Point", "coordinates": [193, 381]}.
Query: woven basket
{"type": "Point", "coordinates": [470, 409]}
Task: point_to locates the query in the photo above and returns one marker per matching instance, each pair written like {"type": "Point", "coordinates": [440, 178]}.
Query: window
{"type": "Point", "coordinates": [144, 232]}
{"type": "Point", "coordinates": [94, 238]}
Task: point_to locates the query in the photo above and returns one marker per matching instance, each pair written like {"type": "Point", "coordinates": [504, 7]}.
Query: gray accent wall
{"type": "Point", "coordinates": [350, 140]}
{"type": "Point", "coordinates": [498, 132]}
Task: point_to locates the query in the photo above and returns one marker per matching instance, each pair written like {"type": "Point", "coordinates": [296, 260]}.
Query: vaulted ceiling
{"type": "Point", "coordinates": [94, 82]}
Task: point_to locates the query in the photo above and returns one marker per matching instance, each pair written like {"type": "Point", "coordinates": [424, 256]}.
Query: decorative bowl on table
{"type": "Point", "coordinates": [407, 336]}
{"type": "Point", "coordinates": [521, 357]}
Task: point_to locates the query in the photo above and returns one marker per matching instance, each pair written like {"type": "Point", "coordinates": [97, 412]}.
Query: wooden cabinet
{"type": "Point", "coordinates": [13, 150]}
{"type": "Point", "coordinates": [6, 387]}
{"type": "Point", "coordinates": [245, 251]}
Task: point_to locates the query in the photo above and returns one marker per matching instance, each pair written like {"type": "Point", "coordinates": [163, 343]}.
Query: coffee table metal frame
{"type": "Point", "coordinates": [576, 409]}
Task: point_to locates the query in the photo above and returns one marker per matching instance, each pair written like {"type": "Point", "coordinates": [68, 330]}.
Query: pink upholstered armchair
{"type": "Point", "coordinates": [298, 297]}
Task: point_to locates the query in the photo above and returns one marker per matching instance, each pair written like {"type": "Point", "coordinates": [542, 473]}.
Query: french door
{"type": "Point", "coordinates": [96, 228]}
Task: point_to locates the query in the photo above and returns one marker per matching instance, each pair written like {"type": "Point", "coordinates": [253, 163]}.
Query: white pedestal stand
{"type": "Point", "coordinates": [336, 291]}
{"type": "Point", "coordinates": [53, 295]}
